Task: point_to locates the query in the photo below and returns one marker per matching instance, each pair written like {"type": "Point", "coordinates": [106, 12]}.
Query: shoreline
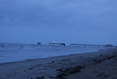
{"type": "Point", "coordinates": [14, 55]}
{"type": "Point", "coordinates": [60, 67]}
{"type": "Point", "coordinates": [23, 60]}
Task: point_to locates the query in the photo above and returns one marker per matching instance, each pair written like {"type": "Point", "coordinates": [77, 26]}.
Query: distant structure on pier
{"type": "Point", "coordinates": [39, 43]}
{"type": "Point", "coordinates": [57, 44]}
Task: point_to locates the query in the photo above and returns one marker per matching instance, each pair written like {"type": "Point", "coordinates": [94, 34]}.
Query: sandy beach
{"type": "Point", "coordinates": [95, 65]}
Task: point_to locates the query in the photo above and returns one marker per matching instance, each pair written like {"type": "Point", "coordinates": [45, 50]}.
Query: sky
{"type": "Point", "coordinates": [69, 21]}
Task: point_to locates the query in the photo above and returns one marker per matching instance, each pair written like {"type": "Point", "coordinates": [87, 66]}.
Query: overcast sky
{"type": "Point", "coordinates": [69, 21]}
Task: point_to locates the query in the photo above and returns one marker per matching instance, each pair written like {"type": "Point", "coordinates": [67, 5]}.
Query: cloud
{"type": "Point", "coordinates": [77, 13]}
